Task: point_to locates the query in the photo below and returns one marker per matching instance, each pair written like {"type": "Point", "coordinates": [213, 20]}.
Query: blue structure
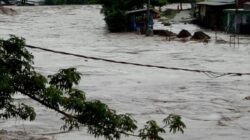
{"type": "Point", "coordinates": [137, 19]}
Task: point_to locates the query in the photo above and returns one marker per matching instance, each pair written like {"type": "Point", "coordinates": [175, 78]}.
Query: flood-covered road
{"type": "Point", "coordinates": [213, 109]}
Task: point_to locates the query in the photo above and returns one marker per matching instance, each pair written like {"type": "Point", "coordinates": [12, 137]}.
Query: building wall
{"type": "Point", "coordinates": [203, 10]}
{"type": "Point", "coordinates": [211, 16]}
{"type": "Point", "coordinates": [237, 22]}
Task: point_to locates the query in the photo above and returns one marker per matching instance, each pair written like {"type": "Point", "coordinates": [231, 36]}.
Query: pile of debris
{"type": "Point", "coordinates": [200, 36]}
{"type": "Point", "coordinates": [184, 34]}
{"type": "Point", "coordinates": [197, 36]}
{"type": "Point", "coordinates": [247, 98]}
{"type": "Point", "coordinates": [164, 33]}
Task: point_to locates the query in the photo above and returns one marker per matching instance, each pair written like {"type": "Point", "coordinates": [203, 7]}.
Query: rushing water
{"type": "Point", "coordinates": [213, 109]}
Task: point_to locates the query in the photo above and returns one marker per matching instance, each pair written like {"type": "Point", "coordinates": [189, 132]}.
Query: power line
{"type": "Point", "coordinates": [209, 73]}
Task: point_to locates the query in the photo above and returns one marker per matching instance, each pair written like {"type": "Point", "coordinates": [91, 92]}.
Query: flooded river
{"type": "Point", "coordinates": [212, 108]}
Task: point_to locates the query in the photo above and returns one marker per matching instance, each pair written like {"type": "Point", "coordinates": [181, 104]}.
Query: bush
{"type": "Point", "coordinates": [116, 21]}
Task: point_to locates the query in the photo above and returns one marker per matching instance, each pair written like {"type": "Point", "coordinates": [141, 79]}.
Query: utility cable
{"type": "Point", "coordinates": [209, 73]}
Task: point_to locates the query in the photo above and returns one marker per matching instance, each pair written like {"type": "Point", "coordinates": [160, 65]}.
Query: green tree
{"type": "Point", "coordinates": [58, 92]}
{"type": "Point", "coordinates": [114, 12]}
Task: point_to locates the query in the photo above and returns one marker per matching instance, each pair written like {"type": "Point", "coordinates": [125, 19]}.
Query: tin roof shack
{"type": "Point", "coordinates": [210, 12]}
{"type": "Point", "coordinates": [237, 21]}
{"type": "Point", "coordinates": [137, 19]}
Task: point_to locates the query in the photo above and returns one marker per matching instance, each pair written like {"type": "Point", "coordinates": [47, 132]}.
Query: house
{"type": "Point", "coordinates": [228, 15]}
{"type": "Point", "coordinates": [137, 19]}
{"type": "Point", "coordinates": [209, 12]}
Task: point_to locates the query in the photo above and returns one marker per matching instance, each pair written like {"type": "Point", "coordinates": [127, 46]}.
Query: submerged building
{"type": "Point", "coordinates": [138, 20]}
{"type": "Point", "coordinates": [209, 12]}
{"type": "Point", "coordinates": [228, 15]}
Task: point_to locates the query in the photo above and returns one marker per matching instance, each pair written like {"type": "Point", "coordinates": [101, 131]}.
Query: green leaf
{"type": "Point", "coordinates": [175, 123]}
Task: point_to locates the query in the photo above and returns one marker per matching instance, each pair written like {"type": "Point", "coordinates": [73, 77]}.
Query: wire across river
{"type": "Point", "coordinates": [209, 73]}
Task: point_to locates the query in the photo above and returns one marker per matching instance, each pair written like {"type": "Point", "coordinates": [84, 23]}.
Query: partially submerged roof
{"type": "Point", "coordinates": [141, 11]}
{"type": "Point", "coordinates": [217, 2]}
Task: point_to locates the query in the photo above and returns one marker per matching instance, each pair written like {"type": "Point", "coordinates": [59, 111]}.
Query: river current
{"type": "Point", "coordinates": [212, 108]}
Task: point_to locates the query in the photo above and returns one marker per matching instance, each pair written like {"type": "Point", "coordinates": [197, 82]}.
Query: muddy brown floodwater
{"type": "Point", "coordinates": [213, 109]}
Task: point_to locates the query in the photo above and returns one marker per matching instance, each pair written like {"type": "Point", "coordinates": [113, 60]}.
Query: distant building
{"type": "Point", "coordinates": [209, 12]}
{"type": "Point", "coordinates": [237, 20]}
{"type": "Point", "coordinates": [228, 15]}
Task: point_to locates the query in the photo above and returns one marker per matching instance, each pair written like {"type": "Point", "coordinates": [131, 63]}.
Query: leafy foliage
{"type": "Point", "coordinates": [151, 131]}
{"type": "Point", "coordinates": [114, 12]}
{"type": "Point", "coordinates": [58, 92]}
{"type": "Point", "coordinates": [174, 122]}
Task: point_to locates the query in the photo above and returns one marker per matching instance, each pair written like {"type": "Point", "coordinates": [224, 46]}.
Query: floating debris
{"type": "Point", "coordinates": [164, 32]}
{"type": "Point", "coordinates": [200, 36]}
{"type": "Point", "coordinates": [184, 34]}
{"type": "Point", "coordinates": [247, 98]}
